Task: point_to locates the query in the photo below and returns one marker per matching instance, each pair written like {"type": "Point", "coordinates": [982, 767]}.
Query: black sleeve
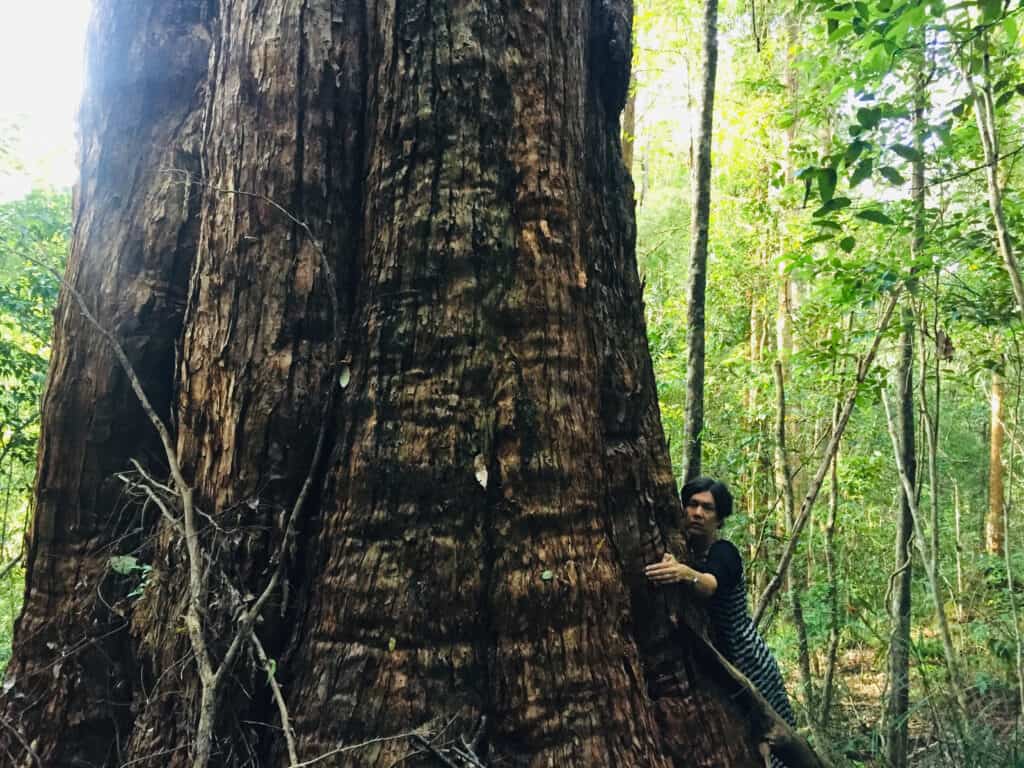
{"type": "Point", "coordinates": [724, 563]}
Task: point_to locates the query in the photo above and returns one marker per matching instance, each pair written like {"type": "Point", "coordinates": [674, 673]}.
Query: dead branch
{"type": "Point", "coordinates": [863, 368]}
{"type": "Point", "coordinates": [767, 726]}
{"type": "Point", "coordinates": [282, 708]}
{"type": "Point", "coordinates": [360, 745]}
{"type": "Point", "coordinates": [21, 740]}
{"type": "Point", "coordinates": [211, 675]}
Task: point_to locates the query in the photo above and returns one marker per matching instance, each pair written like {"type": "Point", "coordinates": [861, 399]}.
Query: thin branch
{"type": "Point", "coordinates": [10, 566]}
{"type": "Point", "coordinates": [21, 739]}
{"type": "Point", "coordinates": [282, 708]}
{"type": "Point", "coordinates": [360, 745]}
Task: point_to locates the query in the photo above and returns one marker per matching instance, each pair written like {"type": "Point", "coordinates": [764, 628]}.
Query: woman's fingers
{"type": "Point", "coordinates": [663, 572]}
{"type": "Point", "coordinates": [659, 568]}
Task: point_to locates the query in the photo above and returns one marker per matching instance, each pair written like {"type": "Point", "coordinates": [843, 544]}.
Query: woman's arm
{"type": "Point", "coordinates": [671, 571]}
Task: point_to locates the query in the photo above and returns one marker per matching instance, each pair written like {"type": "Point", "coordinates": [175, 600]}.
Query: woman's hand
{"type": "Point", "coordinates": [669, 571]}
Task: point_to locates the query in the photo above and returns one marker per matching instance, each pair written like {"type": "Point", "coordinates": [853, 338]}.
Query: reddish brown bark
{"type": "Point", "coordinates": [72, 676]}
{"type": "Point", "coordinates": [497, 475]}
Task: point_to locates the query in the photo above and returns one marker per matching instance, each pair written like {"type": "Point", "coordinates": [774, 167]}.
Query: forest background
{"type": "Point", "coordinates": [863, 153]}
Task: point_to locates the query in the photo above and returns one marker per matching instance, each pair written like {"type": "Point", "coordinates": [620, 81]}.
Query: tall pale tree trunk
{"type": "Point", "coordinates": [994, 542]}
{"type": "Point", "coordinates": [832, 572]}
{"type": "Point", "coordinates": [758, 508]}
{"type": "Point", "coordinates": [383, 213]}
{"type": "Point", "coordinates": [700, 184]}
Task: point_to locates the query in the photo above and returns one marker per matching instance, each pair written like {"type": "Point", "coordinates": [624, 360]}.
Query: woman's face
{"type": "Point", "coordinates": [701, 516]}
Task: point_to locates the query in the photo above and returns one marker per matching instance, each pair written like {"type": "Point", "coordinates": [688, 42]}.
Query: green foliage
{"type": "Point", "coordinates": [34, 233]}
{"type": "Point", "coordinates": [813, 167]}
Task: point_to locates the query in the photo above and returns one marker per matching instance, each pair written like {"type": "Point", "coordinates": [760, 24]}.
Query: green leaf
{"type": "Point", "coordinates": [869, 117]}
{"type": "Point", "coordinates": [862, 171]}
{"type": "Point", "coordinates": [1005, 97]}
{"type": "Point", "coordinates": [1010, 28]}
{"type": "Point", "coordinates": [835, 204]}
{"type": "Point", "coordinates": [853, 151]}
{"type": "Point", "coordinates": [828, 224]}
{"type": "Point", "coordinates": [123, 565]}
{"type": "Point", "coordinates": [906, 152]}
{"type": "Point", "coordinates": [892, 175]}
{"type": "Point", "coordinates": [874, 215]}
{"type": "Point", "coordinates": [837, 31]}
{"type": "Point", "coordinates": [785, 120]}
{"type": "Point", "coordinates": [817, 239]}
{"type": "Point", "coordinates": [877, 61]}
{"type": "Point", "coordinates": [990, 10]}
{"type": "Point", "coordinates": [847, 243]}
{"type": "Point", "coordinates": [826, 183]}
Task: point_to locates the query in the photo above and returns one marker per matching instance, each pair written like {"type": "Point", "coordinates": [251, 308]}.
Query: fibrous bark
{"type": "Point", "coordinates": [422, 208]}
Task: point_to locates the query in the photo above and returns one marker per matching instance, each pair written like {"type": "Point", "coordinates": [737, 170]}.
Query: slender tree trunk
{"type": "Point", "coordinates": [757, 507]}
{"type": "Point", "coordinates": [383, 214]}
{"type": "Point", "coordinates": [699, 220]}
{"type": "Point", "coordinates": [994, 542]}
{"type": "Point", "coordinates": [957, 522]}
{"type": "Point", "coordinates": [985, 117]}
{"type": "Point", "coordinates": [898, 703]}
{"type": "Point", "coordinates": [930, 552]}
{"type": "Point", "coordinates": [934, 586]}
{"type": "Point", "coordinates": [795, 577]}
{"type": "Point", "coordinates": [834, 616]}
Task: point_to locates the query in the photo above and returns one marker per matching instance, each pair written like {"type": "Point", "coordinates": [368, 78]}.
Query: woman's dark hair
{"type": "Point", "coordinates": [719, 492]}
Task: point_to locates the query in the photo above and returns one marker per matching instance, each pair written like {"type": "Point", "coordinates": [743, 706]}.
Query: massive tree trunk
{"type": "Point", "coordinates": [416, 216]}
